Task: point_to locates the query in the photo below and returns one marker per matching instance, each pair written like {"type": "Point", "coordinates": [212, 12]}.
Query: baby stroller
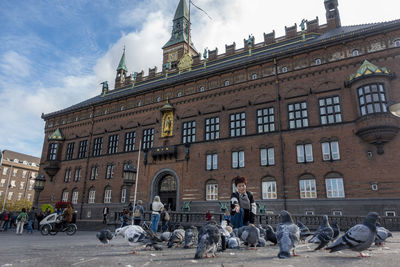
{"type": "Point", "coordinates": [53, 223]}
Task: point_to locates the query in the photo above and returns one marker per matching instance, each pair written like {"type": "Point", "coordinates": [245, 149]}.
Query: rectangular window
{"type": "Point", "coordinates": [97, 146]}
{"type": "Point", "coordinates": [148, 138]}
{"type": "Point", "coordinates": [238, 124]}
{"type": "Point", "coordinates": [67, 176]}
{"type": "Point", "coordinates": [113, 144]}
{"type": "Point", "coordinates": [238, 159]}
{"type": "Point", "coordinates": [298, 115]}
{"type": "Point", "coordinates": [267, 156]}
{"type": "Point", "coordinates": [31, 183]}
{"type": "Point", "coordinates": [75, 197]}
{"type": "Point", "coordinates": [110, 171]}
{"type": "Point", "coordinates": [304, 153]}
{"type": "Point", "coordinates": [82, 149]}
{"type": "Point", "coordinates": [337, 213]}
{"type": "Point", "coordinates": [70, 151]}
{"type": "Point", "coordinates": [329, 110]}
{"type": "Point", "coordinates": [94, 173]}
{"type": "Point", "coordinates": [5, 169]}
{"type": "Point", "coordinates": [372, 99]}
{"type": "Point", "coordinates": [1, 193]}
{"type": "Point", "coordinates": [269, 190]}
{"type": "Point", "coordinates": [2, 182]}
{"type": "Point", "coordinates": [330, 151]}
{"type": "Point", "coordinates": [13, 184]}
{"type": "Point", "coordinates": [21, 185]}
{"type": "Point", "coordinates": [29, 197]}
{"type": "Point", "coordinates": [334, 188]}
{"type": "Point", "coordinates": [212, 128]}
{"type": "Point", "coordinates": [107, 196]}
{"type": "Point", "coordinates": [52, 153]}
{"type": "Point", "coordinates": [390, 213]}
{"type": "Point", "coordinates": [308, 189]}
{"type": "Point", "coordinates": [19, 196]}
{"type": "Point", "coordinates": [212, 192]}
{"type": "Point", "coordinates": [189, 132]}
{"type": "Point", "coordinates": [92, 195]}
{"type": "Point", "coordinates": [212, 162]}
{"type": "Point", "coordinates": [65, 196]}
{"type": "Point", "coordinates": [77, 176]}
{"type": "Point", "coordinates": [15, 171]}
{"type": "Point", "coordinates": [130, 140]}
{"type": "Point", "coordinates": [123, 195]}
{"type": "Point", "coordinates": [10, 195]}
{"type": "Point", "coordinates": [24, 174]}
{"type": "Point", "coordinates": [265, 120]}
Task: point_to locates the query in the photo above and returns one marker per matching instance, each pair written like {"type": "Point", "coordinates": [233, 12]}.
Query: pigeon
{"type": "Point", "coordinates": [336, 230]}
{"type": "Point", "coordinates": [165, 236]}
{"type": "Point", "coordinates": [359, 237]}
{"type": "Point", "coordinates": [105, 236]}
{"type": "Point", "coordinates": [304, 231]}
{"type": "Point", "coordinates": [262, 242]}
{"type": "Point", "coordinates": [251, 236]}
{"type": "Point", "coordinates": [177, 237]}
{"type": "Point", "coordinates": [152, 240]}
{"type": "Point", "coordinates": [381, 235]}
{"type": "Point", "coordinates": [263, 233]}
{"type": "Point", "coordinates": [209, 236]}
{"type": "Point", "coordinates": [233, 242]}
{"type": "Point", "coordinates": [323, 235]}
{"type": "Point", "coordinates": [131, 233]}
{"type": "Point", "coordinates": [191, 235]}
{"type": "Point", "coordinates": [270, 234]}
{"type": "Point", "coordinates": [287, 235]}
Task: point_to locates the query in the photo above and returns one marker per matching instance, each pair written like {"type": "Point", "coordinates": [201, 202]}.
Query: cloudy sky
{"type": "Point", "coordinates": [54, 53]}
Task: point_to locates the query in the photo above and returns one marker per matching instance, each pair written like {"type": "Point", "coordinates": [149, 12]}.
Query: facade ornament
{"type": "Point", "coordinates": [303, 28]}
{"type": "Point", "coordinates": [167, 122]}
{"type": "Point", "coordinates": [185, 63]}
{"type": "Point", "coordinates": [250, 43]}
{"type": "Point", "coordinates": [104, 90]}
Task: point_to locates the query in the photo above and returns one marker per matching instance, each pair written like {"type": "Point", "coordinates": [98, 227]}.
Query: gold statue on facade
{"type": "Point", "coordinates": [167, 123]}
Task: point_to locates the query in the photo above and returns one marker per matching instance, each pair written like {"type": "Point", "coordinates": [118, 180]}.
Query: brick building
{"type": "Point", "coordinates": [18, 171]}
{"type": "Point", "coordinates": [303, 116]}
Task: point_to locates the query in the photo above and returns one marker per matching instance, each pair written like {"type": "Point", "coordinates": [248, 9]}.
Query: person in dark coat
{"type": "Point", "coordinates": [243, 207]}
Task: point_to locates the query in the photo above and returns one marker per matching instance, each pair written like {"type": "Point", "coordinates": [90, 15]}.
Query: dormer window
{"type": "Point", "coordinates": [226, 83]}
{"type": "Point", "coordinates": [318, 61]}
{"type": "Point", "coordinates": [16, 160]}
{"type": "Point", "coordinates": [355, 52]}
{"type": "Point", "coordinates": [201, 89]}
{"type": "Point", "coordinates": [254, 76]}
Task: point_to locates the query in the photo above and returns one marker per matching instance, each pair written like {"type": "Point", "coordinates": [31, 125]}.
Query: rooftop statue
{"type": "Point", "coordinates": [250, 41]}
{"type": "Point", "coordinates": [205, 53]}
{"type": "Point", "coordinates": [303, 24]}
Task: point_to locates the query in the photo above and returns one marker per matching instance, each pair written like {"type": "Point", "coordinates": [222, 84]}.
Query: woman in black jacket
{"type": "Point", "coordinates": [243, 207]}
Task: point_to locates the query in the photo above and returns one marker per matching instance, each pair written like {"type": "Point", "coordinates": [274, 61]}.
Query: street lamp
{"type": "Point", "coordinates": [129, 178]}
{"type": "Point", "coordinates": [394, 108]}
{"type": "Point", "coordinates": [39, 186]}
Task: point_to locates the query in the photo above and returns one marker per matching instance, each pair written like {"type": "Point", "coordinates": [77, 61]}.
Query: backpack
{"type": "Point", "coordinates": [137, 214]}
{"type": "Point", "coordinates": [166, 216]}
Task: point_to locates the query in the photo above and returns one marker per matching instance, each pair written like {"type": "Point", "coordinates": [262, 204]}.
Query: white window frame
{"type": "Point", "coordinates": [212, 162]}
{"type": "Point", "coordinates": [123, 195]}
{"type": "Point", "coordinates": [19, 196]}
{"type": "Point", "coordinates": [318, 61]}
{"type": "Point", "coordinates": [337, 213]}
{"type": "Point", "coordinates": [15, 171]}
{"type": "Point", "coordinates": [21, 185]}
{"type": "Point", "coordinates": [29, 197]}
{"type": "Point", "coordinates": [254, 76]}
{"type": "Point", "coordinates": [397, 43]}
{"type": "Point", "coordinates": [94, 172]}
{"type": "Point", "coordinates": [330, 151]}
{"type": "Point", "coordinates": [107, 196]}
{"type": "Point", "coordinates": [13, 185]}
{"type": "Point", "coordinates": [308, 188]}
{"type": "Point", "coordinates": [5, 169]}
{"type": "Point", "coordinates": [226, 83]}
{"type": "Point", "coordinates": [92, 196]}
{"type": "Point", "coordinates": [284, 69]}
{"type": "Point", "coordinates": [75, 196]}
{"type": "Point", "coordinates": [2, 182]}
{"type": "Point", "coordinates": [31, 183]}
{"type": "Point", "coordinates": [110, 171]}
{"type": "Point", "coordinates": [64, 196]}
{"type": "Point", "coordinates": [10, 195]}
{"type": "Point", "coordinates": [334, 187]}
{"type": "Point", "coordinates": [237, 159]}
{"type": "Point", "coordinates": [390, 213]}
{"type": "Point", "coordinates": [304, 153]}
{"type": "Point", "coordinates": [267, 156]}
{"type": "Point", "coordinates": [77, 176]}
{"type": "Point", "coordinates": [269, 190]}
{"type": "Point", "coordinates": [67, 176]}
{"type": "Point", "coordinates": [24, 174]}
{"type": "Point", "coordinates": [211, 191]}
{"type": "Point", "coordinates": [355, 52]}
{"type": "Point", "coordinates": [309, 212]}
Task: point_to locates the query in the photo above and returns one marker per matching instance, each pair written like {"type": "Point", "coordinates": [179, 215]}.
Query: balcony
{"type": "Point", "coordinates": [51, 167]}
{"type": "Point", "coordinates": [164, 152]}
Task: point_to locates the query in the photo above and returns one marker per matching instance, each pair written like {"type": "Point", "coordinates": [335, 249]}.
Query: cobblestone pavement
{"type": "Point", "coordinates": [83, 249]}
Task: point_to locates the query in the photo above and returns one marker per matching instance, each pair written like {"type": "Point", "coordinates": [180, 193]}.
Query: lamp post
{"type": "Point", "coordinates": [394, 108]}
{"type": "Point", "coordinates": [39, 186]}
{"type": "Point", "coordinates": [129, 178]}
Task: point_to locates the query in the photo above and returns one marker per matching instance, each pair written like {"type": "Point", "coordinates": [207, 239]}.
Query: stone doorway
{"type": "Point", "coordinates": [165, 184]}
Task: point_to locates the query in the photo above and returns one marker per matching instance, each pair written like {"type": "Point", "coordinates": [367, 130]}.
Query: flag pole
{"type": "Point", "coordinates": [137, 178]}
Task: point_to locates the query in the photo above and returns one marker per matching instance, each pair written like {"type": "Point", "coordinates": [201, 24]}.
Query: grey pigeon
{"type": "Point", "coordinates": [132, 234]}
{"type": "Point", "coordinates": [233, 242]}
{"type": "Point", "coordinates": [105, 236]}
{"type": "Point", "coordinates": [191, 235]}
{"type": "Point", "coordinates": [262, 242]}
{"type": "Point", "coordinates": [287, 235]}
{"type": "Point", "coordinates": [323, 235]}
{"type": "Point", "coordinates": [336, 230]}
{"type": "Point", "coordinates": [251, 236]}
{"type": "Point", "coordinates": [152, 240]}
{"type": "Point", "coordinates": [381, 235]}
{"type": "Point", "coordinates": [270, 234]}
{"type": "Point", "coordinates": [177, 237]}
{"type": "Point", "coordinates": [165, 236]}
{"type": "Point", "coordinates": [304, 231]}
{"type": "Point", "coordinates": [359, 237]}
{"type": "Point", "coordinates": [263, 233]}
{"type": "Point", "coordinates": [209, 236]}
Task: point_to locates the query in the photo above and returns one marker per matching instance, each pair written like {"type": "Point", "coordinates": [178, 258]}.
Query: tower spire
{"type": "Point", "coordinates": [122, 71]}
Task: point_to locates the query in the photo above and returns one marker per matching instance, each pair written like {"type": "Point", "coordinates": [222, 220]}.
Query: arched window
{"type": "Point", "coordinates": [201, 89]}
{"type": "Point", "coordinates": [307, 186]}
{"type": "Point", "coordinates": [92, 195]}
{"type": "Point", "coordinates": [254, 76]}
{"type": "Point", "coordinates": [397, 43]}
{"type": "Point", "coordinates": [268, 185]}
{"type": "Point", "coordinates": [334, 185]}
{"type": "Point", "coordinates": [107, 194]}
{"type": "Point", "coordinates": [226, 83]}
{"type": "Point", "coordinates": [168, 184]}
{"type": "Point", "coordinates": [64, 196]}
{"type": "Point", "coordinates": [75, 194]}
{"type": "Point", "coordinates": [284, 69]}
{"type": "Point", "coordinates": [212, 190]}
{"type": "Point", "coordinates": [355, 52]}
{"type": "Point", "coordinates": [318, 61]}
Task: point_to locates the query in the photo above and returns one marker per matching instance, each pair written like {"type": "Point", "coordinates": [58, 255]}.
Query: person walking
{"type": "Point", "coordinates": [138, 213]}
{"type": "Point", "coordinates": [156, 207]}
{"type": "Point", "coordinates": [106, 210]}
{"type": "Point", "coordinates": [32, 218]}
{"type": "Point", "coordinates": [21, 219]}
{"type": "Point", "coordinates": [242, 204]}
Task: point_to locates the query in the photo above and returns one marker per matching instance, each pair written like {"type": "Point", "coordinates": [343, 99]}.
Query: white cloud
{"type": "Point", "coordinates": [15, 64]}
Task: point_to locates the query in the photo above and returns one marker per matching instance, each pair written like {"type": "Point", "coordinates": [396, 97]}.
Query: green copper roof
{"type": "Point", "coordinates": [367, 68]}
{"type": "Point", "coordinates": [182, 10]}
{"type": "Point", "coordinates": [122, 64]}
{"type": "Point", "coordinates": [56, 136]}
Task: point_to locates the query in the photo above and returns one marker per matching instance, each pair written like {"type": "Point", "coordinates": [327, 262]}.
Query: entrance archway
{"type": "Point", "coordinates": [165, 183]}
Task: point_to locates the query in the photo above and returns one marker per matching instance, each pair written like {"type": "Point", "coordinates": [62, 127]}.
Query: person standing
{"type": "Point", "coordinates": [164, 217]}
{"type": "Point", "coordinates": [32, 218]}
{"type": "Point", "coordinates": [21, 219]}
{"type": "Point", "coordinates": [156, 207]}
{"type": "Point", "coordinates": [106, 210]}
{"type": "Point", "coordinates": [138, 213]}
{"type": "Point", "coordinates": [67, 215]}
{"type": "Point", "coordinates": [208, 216]}
{"type": "Point", "coordinates": [243, 207]}
{"type": "Point", "coordinates": [6, 221]}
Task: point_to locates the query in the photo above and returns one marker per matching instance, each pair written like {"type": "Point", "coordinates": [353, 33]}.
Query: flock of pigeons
{"type": "Point", "coordinates": [213, 237]}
